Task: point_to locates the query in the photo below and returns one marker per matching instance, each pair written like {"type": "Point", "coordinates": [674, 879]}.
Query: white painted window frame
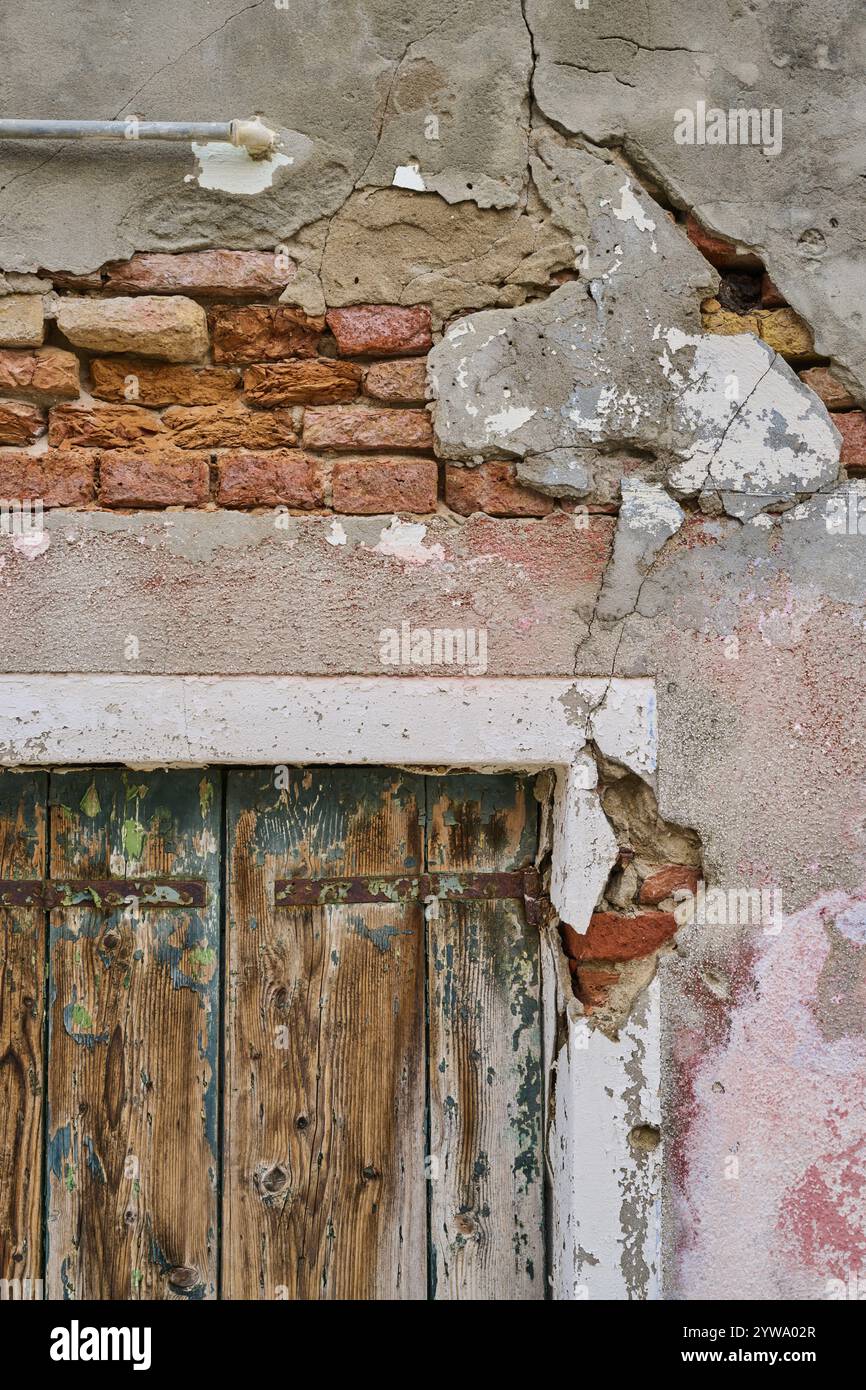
{"type": "Point", "coordinates": [605, 1203]}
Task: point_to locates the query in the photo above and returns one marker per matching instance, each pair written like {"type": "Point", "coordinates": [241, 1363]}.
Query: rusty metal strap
{"type": "Point", "coordinates": [523, 884]}
{"type": "Point", "coordinates": [105, 894]}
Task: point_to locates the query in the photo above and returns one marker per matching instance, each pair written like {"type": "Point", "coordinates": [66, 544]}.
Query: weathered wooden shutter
{"type": "Point", "coordinates": [22, 1019]}
{"type": "Point", "coordinates": [487, 1193]}
{"type": "Point", "coordinates": [381, 1131]}
{"type": "Point", "coordinates": [134, 1028]}
{"type": "Point", "coordinates": [324, 1187]}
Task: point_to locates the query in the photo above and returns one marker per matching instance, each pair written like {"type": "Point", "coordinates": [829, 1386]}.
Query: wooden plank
{"type": "Point", "coordinates": [133, 1056]}
{"type": "Point", "coordinates": [22, 1019]}
{"type": "Point", "coordinates": [487, 1188]}
{"type": "Point", "coordinates": [324, 1161]}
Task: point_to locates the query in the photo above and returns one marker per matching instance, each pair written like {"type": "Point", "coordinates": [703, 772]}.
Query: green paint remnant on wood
{"type": "Point", "coordinates": [90, 803]}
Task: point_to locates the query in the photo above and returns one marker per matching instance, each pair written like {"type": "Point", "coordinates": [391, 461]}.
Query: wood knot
{"type": "Point", "coordinates": [275, 1179]}
{"type": "Point", "coordinates": [370, 1173]}
{"type": "Point", "coordinates": [111, 940]}
{"type": "Point", "coordinates": [183, 1276]}
{"type": "Point", "coordinates": [301, 1122]}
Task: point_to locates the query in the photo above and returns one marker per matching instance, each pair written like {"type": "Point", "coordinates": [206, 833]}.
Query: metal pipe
{"type": "Point", "coordinates": [252, 135]}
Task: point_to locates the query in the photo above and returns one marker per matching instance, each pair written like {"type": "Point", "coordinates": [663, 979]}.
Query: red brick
{"type": "Point", "coordinates": [159, 383]}
{"type": "Point", "coordinates": [613, 936]}
{"type": "Point", "coordinates": [363, 427]}
{"type": "Point", "coordinates": [229, 274]}
{"type": "Point", "coordinates": [852, 427]}
{"type": "Point", "coordinates": [44, 374]}
{"type": "Point", "coordinates": [771, 295]}
{"type": "Point", "coordinates": [61, 280]}
{"type": "Point", "coordinates": [101, 426]}
{"type": "Point", "coordinates": [264, 333]}
{"type": "Point", "coordinates": [20, 422]}
{"type": "Point", "coordinates": [60, 477]}
{"type": "Point", "coordinates": [373, 486]}
{"type": "Point", "coordinates": [492, 488]}
{"type": "Point", "coordinates": [316, 381]}
{"type": "Point", "coordinates": [822, 381]}
{"type": "Point", "coordinates": [164, 478]}
{"type": "Point", "coordinates": [230, 425]}
{"type": "Point", "coordinates": [662, 884]}
{"type": "Point", "coordinates": [592, 985]}
{"type": "Point", "coordinates": [284, 477]}
{"type": "Point", "coordinates": [718, 250]}
{"type": "Point", "coordinates": [402, 382]}
{"type": "Point", "coordinates": [380, 330]}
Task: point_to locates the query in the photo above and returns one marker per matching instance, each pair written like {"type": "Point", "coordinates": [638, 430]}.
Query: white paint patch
{"type": "Point", "coordinates": [336, 535]}
{"type": "Point", "coordinates": [31, 546]}
{"type": "Point", "coordinates": [630, 210]}
{"type": "Point", "coordinates": [648, 507]}
{"type": "Point", "coordinates": [404, 540]}
{"type": "Point", "coordinates": [755, 428]}
{"type": "Point", "coordinates": [584, 846]}
{"type": "Point", "coordinates": [408, 176]}
{"type": "Point", "coordinates": [230, 169]}
{"type": "Point", "coordinates": [508, 420]}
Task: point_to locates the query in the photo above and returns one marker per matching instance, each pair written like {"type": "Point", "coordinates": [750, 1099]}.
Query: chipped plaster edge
{"type": "Point", "coordinates": [604, 1194]}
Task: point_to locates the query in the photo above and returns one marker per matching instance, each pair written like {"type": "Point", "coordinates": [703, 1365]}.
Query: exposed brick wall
{"type": "Point", "coordinates": [658, 863]}
{"type": "Point", "coordinates": [181, 381]}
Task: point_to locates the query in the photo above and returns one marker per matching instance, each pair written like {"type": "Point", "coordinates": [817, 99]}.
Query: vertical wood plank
{"type": "Point", "coordinates": [133, 1056]}
{"type": "Point", "coordinates": [22, 1016]}
{"type": "Point", "coordinates": [324, 1164]}
{"type": "Point", "coordinates": [487, 1192]}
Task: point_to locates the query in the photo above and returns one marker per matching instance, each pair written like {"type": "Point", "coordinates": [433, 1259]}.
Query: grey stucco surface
{"type": "Point", "coordinates": [359, 83]}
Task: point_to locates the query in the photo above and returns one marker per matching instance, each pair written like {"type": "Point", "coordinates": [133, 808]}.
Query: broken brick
{"type": "Point", "coordinates": [613, 936]}
{"type": "Point", "coordinates": [723, 254]}
{"type": "Point", "coordinates": [20, 423]}
{"type": "Point", "coordinates": [771, 296]}
{"type": "Point", "coordinates": [283, 477]}
{"type": "Point", "coordinates": [229, 425]}
{"type": "Point", "coordinates": [665, 882]}
{"type": "Point", "coordinates": [45, 374]}
{"type": "Point", "coordinates": [362, 427]}
{"type": "Point", "coordinates": [101, 426]}
{"type": "Point", "coordinates": [492, 488]}
{"type": "Point", "coordinates": [151, 326]}
{"type": "Point", "coordinates": [381, 330]}
{"type": "Point", "coordinates": [264, 333]}
{"type": "Point", "coordinates": [822, 381]}
{"type": "Point", "coordinates": [57, 478]}
{"type": "Point", "coordinates": [229, 274]}
{"type": "Point", "coordinates": [163, 478]}
{"type": "Point", "coordinates": [852, 427]}
{"type": "Point", "coordinates": [319, 380]}
{"type": "Point", "coordinates": [158, 383]}
{"type": "Point", "coordinates": [400, 382]}
{"type": "Point", "coordinates": [373, 486]}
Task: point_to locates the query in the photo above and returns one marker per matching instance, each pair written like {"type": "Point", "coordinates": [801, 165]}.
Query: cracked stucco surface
{"type": "Point", "coordinates": [489, 73]}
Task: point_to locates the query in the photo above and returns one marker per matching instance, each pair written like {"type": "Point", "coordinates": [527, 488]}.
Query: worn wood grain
{"type": "Point", "coordinates": [134, 1019]}
{"type": "Point", "coordinates": [324, 1164]}
{"type": "Point", "coordinates": [22, 1015]}
{"type": "Point", "coordinates": [487, 1192]}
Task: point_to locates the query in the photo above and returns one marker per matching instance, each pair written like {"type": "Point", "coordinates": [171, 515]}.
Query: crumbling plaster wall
{"type": "Point", "coordinates": [751, 622]}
